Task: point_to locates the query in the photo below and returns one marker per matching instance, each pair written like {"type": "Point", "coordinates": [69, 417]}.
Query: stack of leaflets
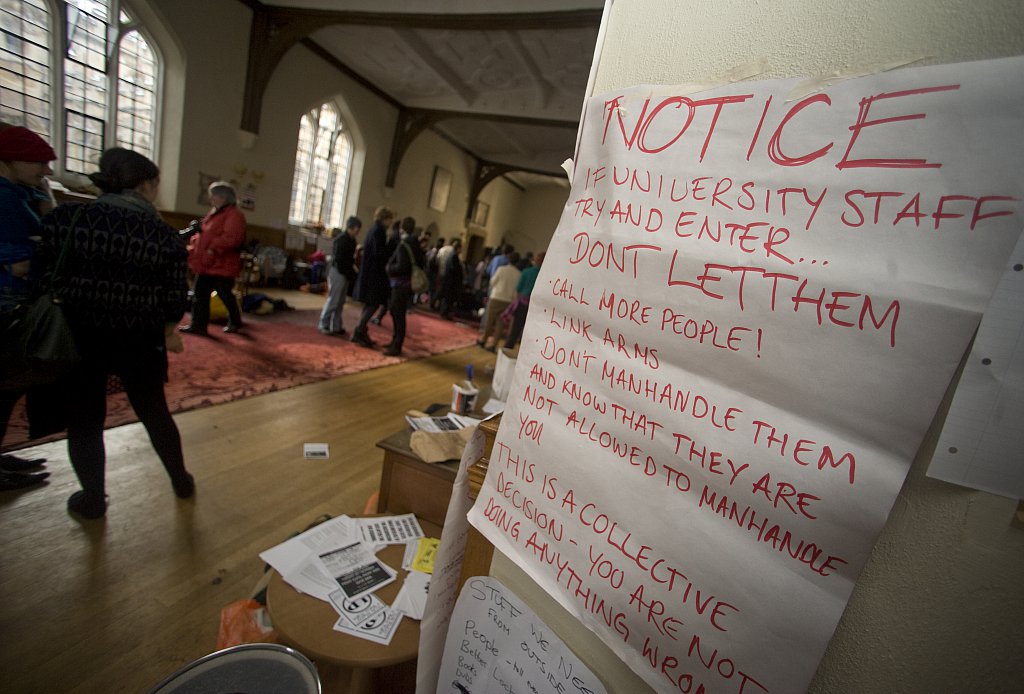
{"type": "Point", "coordinates": [336, 562]}
{"type": "Point", "coordinates": [450, 422]}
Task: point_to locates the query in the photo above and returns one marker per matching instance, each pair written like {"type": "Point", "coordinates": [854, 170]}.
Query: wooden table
{"type": "Point", "coordinates": [409, 485]}
{"type": "Point", "coordinates": [306, 623]}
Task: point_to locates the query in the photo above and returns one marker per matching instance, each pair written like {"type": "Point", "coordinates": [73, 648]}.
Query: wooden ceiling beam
{"type": "Point", "coordinates": [413, 121]}
{"type": "Point", "coordinates": [483, 21]}
{"type": "Point", "coordinates": [275, 30]}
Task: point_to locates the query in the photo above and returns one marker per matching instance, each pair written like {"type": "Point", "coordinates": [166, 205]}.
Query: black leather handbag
{"type": "Point", "coordinates": [39, 347]}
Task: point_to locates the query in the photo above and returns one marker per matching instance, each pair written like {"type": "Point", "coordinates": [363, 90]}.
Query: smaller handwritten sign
{"type": "Point", "coordinates": [497, 644]}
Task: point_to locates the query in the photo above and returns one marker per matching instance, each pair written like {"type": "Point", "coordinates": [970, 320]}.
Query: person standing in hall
{"type": "Point", "coordinates": [24, 194]}
{"type": "Point", "coordinates": [394, 236]}
{"type": "Point", "coordinates": [407, 254]}
{"type": "Point", "coordinates": [215, 256]}
{"type": "Point", "coordinates": [372, 285]}
{"type": "Point", "coordinates": [502, 292]}
{"type": "Point", "coordinates": [481, 280]}
{"type": "Point", "coordinates": [524, 288]}
{"type": "Point", "coordinates": [123, 290]}
{"type": "Point", "coordinates": [433, 269]}
{"type": "Point", "coordinates": [452, 279]}
{"type": "Point", "coordinates": [423, 240]}
{"type": "Point", "coordinates": [340, 276]}
{"type": "Point", "coordinates": [500, 258]}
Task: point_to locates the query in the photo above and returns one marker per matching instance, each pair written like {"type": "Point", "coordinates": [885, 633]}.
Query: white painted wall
{"type": "Point", "coordinates": [940, 604]}
{"type": "Point", "coordinates": [538, 216]}
{"type": "Point", "coordinates": [673, 41]}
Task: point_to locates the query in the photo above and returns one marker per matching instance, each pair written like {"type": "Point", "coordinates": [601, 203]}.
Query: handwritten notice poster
{"type": "Point", "coordinates": [497, 645]}
{"type": "Point", "coordinates": [749, 312]}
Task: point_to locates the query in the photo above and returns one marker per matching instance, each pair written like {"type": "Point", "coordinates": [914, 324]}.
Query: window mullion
{"type": "Point", "coordinates": [58, 128]}
{"type": "Point", "coordinates": [328, 203]}
{"type": "Point", "coordinates": [311, 168]}
{"type": "Point", "coordinates": [114, 36]}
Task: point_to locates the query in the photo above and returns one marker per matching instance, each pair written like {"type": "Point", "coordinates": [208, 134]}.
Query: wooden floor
{"type": "Point", "coordinates": [118, 604]}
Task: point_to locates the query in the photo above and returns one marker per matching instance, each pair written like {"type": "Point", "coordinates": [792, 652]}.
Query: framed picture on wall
{"type": "Point", "coordinates": [440, 187]}
{"type": "Point", "coordinates": [480, 212]}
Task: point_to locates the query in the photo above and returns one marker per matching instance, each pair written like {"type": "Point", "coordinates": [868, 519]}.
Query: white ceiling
{"type": "Point", "coordinates": [517, 70]}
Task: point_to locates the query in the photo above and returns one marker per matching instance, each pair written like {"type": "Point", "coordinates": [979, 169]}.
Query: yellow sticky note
{"type": "Point", "coordinates": [426, 553]}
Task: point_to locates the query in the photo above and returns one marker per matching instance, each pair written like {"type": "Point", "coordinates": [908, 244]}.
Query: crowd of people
{"type": "Point", "coordinates": [510, 278]}
{"type": "Point", "coordinates": [123, 279]}
{"type": "Point", "coordinates": [378, 273]}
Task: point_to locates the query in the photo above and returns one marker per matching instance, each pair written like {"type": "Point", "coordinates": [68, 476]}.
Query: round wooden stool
{"type": "Point", "coordinates": [308, 624]}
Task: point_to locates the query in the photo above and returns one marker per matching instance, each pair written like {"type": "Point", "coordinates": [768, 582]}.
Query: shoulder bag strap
{"type": "Point", "coordinates": [58, 267]}
{"type": "Point", "coordinates": [412, 258]}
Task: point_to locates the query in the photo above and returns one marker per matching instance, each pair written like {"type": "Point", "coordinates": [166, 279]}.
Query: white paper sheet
{"type": "Point", "coordinates": [450, 422]}
{"type": "Point", "coordinates": [390, 530]}
{"type": "Point", "coordinates": [366, 617]}
{"type": "Point", "coordinates": [497, 645]}
{"type": "Point", "coordinates": [981, 442]}
{"type": "Point", "coordinates": [356, 570]}
{"type": "Point", "coordinates": [288, 555]}
{"type": "Point", "coordinates": [412, 598]}
{"type": "Point", "coordinates": [310, 577]}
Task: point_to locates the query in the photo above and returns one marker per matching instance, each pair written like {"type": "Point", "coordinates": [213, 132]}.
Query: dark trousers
{"type": "Point", "coordinates": [142, 373]}
{"type": "Point", "coordinates": [385, 307]}
{"type": "Point", "coordinates": [207, 285]}
{"type": "Point", "coordinates": [400, 297]}
{"type": "Point", "coordinates": [449, 302]}
{"type": "Point", "coordinates": [518, 323]}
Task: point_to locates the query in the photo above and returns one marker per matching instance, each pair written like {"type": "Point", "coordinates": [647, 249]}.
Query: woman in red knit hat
{"type": "Point", "coordinates": [24, 195]}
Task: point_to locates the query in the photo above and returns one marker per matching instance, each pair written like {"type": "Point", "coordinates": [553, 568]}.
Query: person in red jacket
{"type": "Point", "coordinates": [214, 255]}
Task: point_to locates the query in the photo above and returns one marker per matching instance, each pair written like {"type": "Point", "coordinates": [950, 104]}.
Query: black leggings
{"type": "Point", "coordinates": [142, 374]}
{"type": "Point", "coordinates": [400, 296]}
{"type": "Point", "coordinates": [205, 286]}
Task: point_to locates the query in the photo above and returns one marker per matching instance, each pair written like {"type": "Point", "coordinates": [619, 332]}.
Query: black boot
{"type": "Point", "coordinates": [10, 463]}
{"type": "Point", "coordinates": [20, 480]}
{"type": "Point", "coordinates": [87, 506]}
{"type": "Point", "coordinates": [361, 337]}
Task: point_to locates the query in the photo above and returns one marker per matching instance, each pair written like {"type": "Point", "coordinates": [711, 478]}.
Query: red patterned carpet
{"type": "Point", "coordinates": [274, 352]}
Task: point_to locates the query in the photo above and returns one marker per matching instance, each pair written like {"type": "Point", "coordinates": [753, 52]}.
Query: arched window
{"type": "Point", "coordinates": [323, 159]}
{"type": "Point", "coordinates": [105, 91]}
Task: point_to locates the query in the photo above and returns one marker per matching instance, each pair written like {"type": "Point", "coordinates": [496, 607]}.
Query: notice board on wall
{"type": "Point", "coordinates": [753, 304]}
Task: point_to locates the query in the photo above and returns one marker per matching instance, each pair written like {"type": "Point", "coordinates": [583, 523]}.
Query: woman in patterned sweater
{"type": "Point", "coordinates": [124, 290]}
